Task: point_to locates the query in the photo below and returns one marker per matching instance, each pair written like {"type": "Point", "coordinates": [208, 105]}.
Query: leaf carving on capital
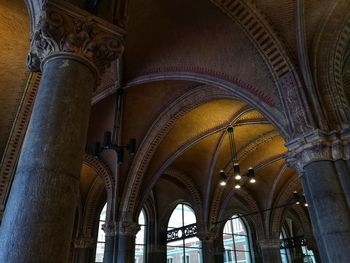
{"type": "Point", "coordinates": [59, 32]}
{"type": "Point", "coordinates": [318, 146]}
{"type": "Point", "coordinates": [128, 228]}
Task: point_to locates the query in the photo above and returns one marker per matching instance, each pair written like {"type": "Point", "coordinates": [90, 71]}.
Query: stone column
{"type": "Point", "coordinates": [110, 253]}
{"type": "Point", "coordinates": [157, 242]}
{"type": "Point", "coordinates": [83, 249]}
{"type": "Point", "coordinates": [270, 250]}
{"type": "Point", "coordinates": [316, 156]}
{"type": "Point", "coordinates": [158, 253]}
{"type": "Point", "coordinates": [209, 250]}
{"type": "Point", "coordinates": [71, 51]}
{"type": "Point", "coordinates": [126, 241]}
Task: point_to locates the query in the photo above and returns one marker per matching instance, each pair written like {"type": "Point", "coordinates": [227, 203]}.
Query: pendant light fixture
{"type": "Point", "coordinates": [236, 168]}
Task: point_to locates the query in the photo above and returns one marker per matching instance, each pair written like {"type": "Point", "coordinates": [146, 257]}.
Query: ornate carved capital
{"type": "Point", "coordinates": [66, 30]}
{"type": "Point", "coordinates": [316, 146]}
{"type": "Point", "coordinates": [84, 242]}
{"type": "Point", "coordinates": [109, 228]}
{"type": "Point", "coordinates": [128, 228]}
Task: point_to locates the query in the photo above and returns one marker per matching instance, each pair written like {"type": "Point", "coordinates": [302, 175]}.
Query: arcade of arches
{"type": "Point", "coordinates": [174, 76]}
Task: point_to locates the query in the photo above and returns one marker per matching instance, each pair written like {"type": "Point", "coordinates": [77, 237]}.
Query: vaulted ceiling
{"type": "Point", "coordinates": [174, 49]}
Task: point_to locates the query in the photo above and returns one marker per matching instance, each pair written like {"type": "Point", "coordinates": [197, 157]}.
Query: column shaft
{"type": "Point", "coordinates": [109, 255]}
{"type": "Point", "coordinates": [208, 251]}
{"type": "Point", "coordinates": [38, 220]}
{"type": "Point", "coordinates": [270, 251]}
{"type": "Point", "coordinates": [126, 248]}
{"type": "Point", "coordinates": [329, 210]}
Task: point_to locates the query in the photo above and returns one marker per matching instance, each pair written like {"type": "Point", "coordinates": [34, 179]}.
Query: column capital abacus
{"type": "Point", "coordinates": [269, 243]}
{"type": "Point", "coordinates": [128, 228]}
{"type": "Point", "coordinates": [207, 236]}
{"type": "Point", "coordinates": [318, 146]}
{"type": "Point", "coordinates": [64, 30]}
{"type": "Point", "coordinates": [84, 242]}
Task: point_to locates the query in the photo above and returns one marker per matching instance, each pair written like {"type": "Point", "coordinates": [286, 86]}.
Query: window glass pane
{"type": "Point", "coordinates": [140, 236]}
{"type": "Point", "coordinates": [238, 227]}
{"type": "Point", "coordinates": [236, 241]}
{"type": "Point", "coordinates": [142, 218]}
{"type": "Point", "coordinates": [184, 250]}
{"type": "Point", "coordinates": [140, 239]}
{"type": "Point", "coordinates": [189, 216]}
{"type": "Point", "coordinates": [100, 246]}
{"type": "Point", "coordinates": [192, 242]}
{"type": "Point", "coordinates": [175, 220]}
{"type": "Point", "coordinates": [139, 253]}
{"type": "Point", "coordinates": [242, 257]}
{"type": "Point", "coordinates": [228, 241]}
{"type": "Point", "coordinates": [241, 243]}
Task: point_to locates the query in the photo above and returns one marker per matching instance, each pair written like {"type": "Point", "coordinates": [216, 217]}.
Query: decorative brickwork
{"type": "Point", "coordinates": [9, 162]}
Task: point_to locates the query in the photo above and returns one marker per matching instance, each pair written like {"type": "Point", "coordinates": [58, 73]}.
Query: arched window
{"type": "Point", "coordinates": [100, 247]}
{"type": "Point", "coordinates": [140, 243]}
{"type": "Point", "coordinates": [236, 241]}
{"type": "Point", "coordinates": [183, 246]}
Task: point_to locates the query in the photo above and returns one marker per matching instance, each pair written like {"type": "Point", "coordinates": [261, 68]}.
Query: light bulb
{"type": "Point", "coordinates": [252, 181]}
{"type": "Point", "coordinates": [298, 203]}
{"type": "Point", "coordinates": [237, 186]}
{"type": "Point", "coordinates": [306, 205]}
{"type": "Point", "coordinates": [223, 183]}
{"type": "Point", "coordinates": [238, 177]}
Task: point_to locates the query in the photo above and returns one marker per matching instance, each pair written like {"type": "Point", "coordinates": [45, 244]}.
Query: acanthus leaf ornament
{"type": "Point", "coordinates": [73, 34]}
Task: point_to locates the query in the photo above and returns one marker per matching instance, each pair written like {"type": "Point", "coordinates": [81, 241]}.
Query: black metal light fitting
{"type": "Point", "coordinates": [236, 168]}
{"type": "Point", "coordinates": [299, 199]}
{"type": "Point", "coordinates": [108, 145]}
{"type": "Point", "coordinates": [110, 140]}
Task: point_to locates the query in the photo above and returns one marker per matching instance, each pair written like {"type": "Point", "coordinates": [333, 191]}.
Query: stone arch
{"type": "Point", "coordinates": [177, 109]}
{"type": "Point", "coordinates": [274, 223]}
{"type": "Point", "coordinates": [328, 61]}
{"type": "Point", "coordinates": [276, 57]}
{"type": "Point", "coordinates": [103, 182]}
{"type": "Point", "coordinates": [90, 213]}
{"type": "Point", "coordinates": [197, 203]}
{"type": "Point", "coordinates": [241, 208]}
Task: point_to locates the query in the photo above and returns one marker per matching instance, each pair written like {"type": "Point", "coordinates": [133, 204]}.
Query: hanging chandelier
{"type": "Point", "coordinates": [235, 165]}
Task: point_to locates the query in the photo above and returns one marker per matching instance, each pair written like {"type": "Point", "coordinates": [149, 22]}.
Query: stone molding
{"type": "Point", "coordinates": [277, 58]}
{"type": "Point", "coordinates": [84, 242]}
{"type": "Point", "coordinates": [207, 236]}
{"type": "Point", "coordinates": [269, 243]}
{"type": "Point", "coordinates": [318, 146]}
{"type": "Point", "coordinates": [64, 30]}
{"type": "Point", "coordinates": [14, 143]}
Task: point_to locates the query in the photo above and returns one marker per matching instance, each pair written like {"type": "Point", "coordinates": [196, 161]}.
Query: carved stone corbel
{"type": "Point", "coordinates": [64, 30]}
